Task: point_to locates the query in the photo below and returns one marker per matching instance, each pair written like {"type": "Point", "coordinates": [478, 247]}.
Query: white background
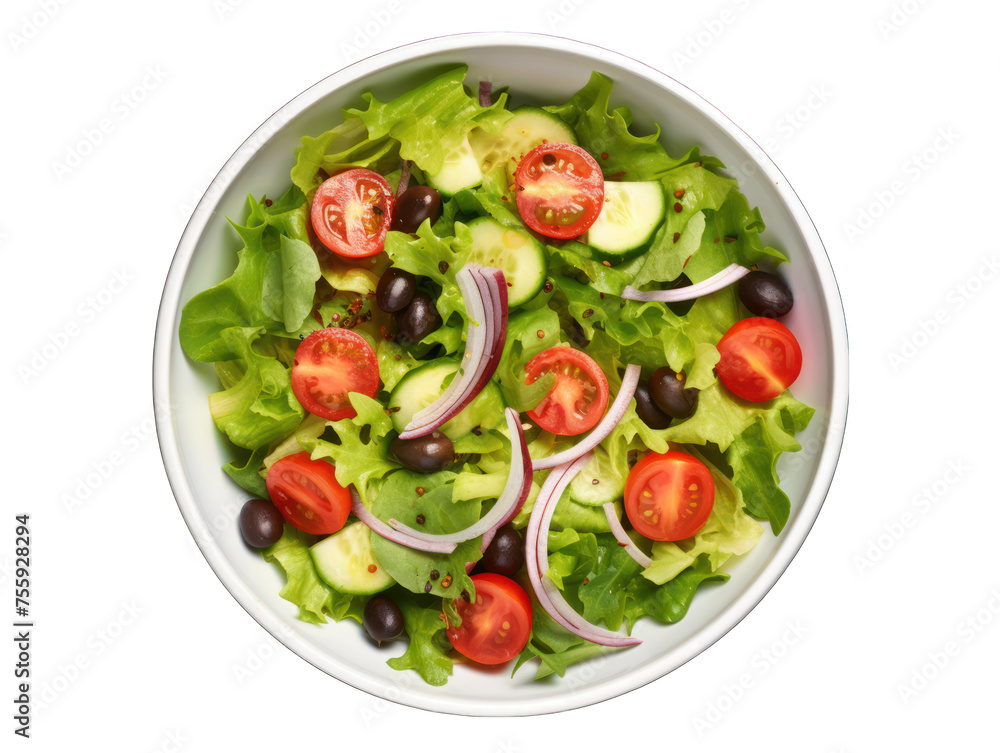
{"type": "Point", "coordinates": [881, 114]}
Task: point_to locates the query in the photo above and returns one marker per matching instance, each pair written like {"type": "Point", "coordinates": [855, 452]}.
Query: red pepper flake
{"type": "Point", "coordinates": [678, 193]}
{"type": "Point", "coordinates": [686, 261]}
{"type": "Point", "coordinates": [335, 318]}
{"type": "Point", "coordinates": [398, 356]}
{"type": "Point", "coordinates": [541, 334]}
{"type": "Point", "coordinates": [547, 287]}
{"type": "Point", "coordinates": [504, 198]}
{"type": "Point", "coordinates": [268, 202]}
{"type": "Point", "coordinates": [588, 313]}
{"type": "Point", "coordinates": [604, 155]}
{"type": "Point", "coordinates": [510, 284]}
{"type": "Point", "coordinates": [677, 237]}
{"type": "Point", "coordinates": [420, 493]}
{"type": "Point", "coordinates": [697, 164]}
{"type": "Point", "coordinates": [729, 239]}
{"type": "Point", "coordinates": [586, 581]}
{"type": "Point", "coordinates": [606, 263]}
{"type": "Point", "coordinates": [442, 267]}
{"type": "Point", "coordinates": [373, 568]}
{"type": "Point", "coordinates": [446, 581]}
{"type": "Point", "coordinates": [678, 207]}
{"type": "Point", "coordinates": [602, 296]}
{"type": "Point", "coordinates": [716, 240]}
{"type": "Point", "coordinates": [421, 519]}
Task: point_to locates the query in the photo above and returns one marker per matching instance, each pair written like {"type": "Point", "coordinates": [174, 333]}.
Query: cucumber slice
{"type": "Point", "coordinates": [628, 219]}
{"type": "Point", "coordinates": [516, 253]}
{"type": "Point", "coordinates": [529, 127]}
{"type": "Point", "coordinates": [460, 170]}
{"type": "Point", "coordinates": [424, 384]}
{"type": "Point", "coordinates": [345, 561]}
{"type": "Point", "coordinates": [598, 482]}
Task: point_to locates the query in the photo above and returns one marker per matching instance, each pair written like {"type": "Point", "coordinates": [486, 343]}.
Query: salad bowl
{"type": "Point", "coordinates": [544, 69]}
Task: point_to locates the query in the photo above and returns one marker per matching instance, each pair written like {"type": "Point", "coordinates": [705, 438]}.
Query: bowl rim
{"type": "Point", "coordinates": [415, 694]}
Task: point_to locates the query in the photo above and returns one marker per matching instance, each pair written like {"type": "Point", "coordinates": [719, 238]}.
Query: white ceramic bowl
{"type": "Point", "coordinates": [549, 70]}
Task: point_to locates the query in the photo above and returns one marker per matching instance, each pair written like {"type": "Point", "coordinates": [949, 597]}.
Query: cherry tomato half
{"type": "Point", "coordinates": [759, 359]}
{"type": "Point", "coordinates": [351, 213]}
{"type": "Point", "coordinates": [496, 627]}
{"type": "Point", "coordinates": [307, 494]}
{"type": "Point", "coordinates": [669, 497]}
{"type": "Point", "coordinates": [560, 190]}
{"type": "Point", "coordinates": [328, 364]}
{"type": "Point", "coordinates": [577, 401]}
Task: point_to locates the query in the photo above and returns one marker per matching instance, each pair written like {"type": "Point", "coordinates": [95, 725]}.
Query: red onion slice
{"type": "Point", "coordinates": [536, 544]}
{"type": "Point", "coordinates": [507, 506]}
{"type": "Point", "coordinates": [611, 419]}
{"type": "Point", "coordinates": [404, 177]}
{"type": "Point", "coordinates": [623, 538]}
{"type": "Point", "coordinates": [718, 281]}
{"type": "Point", "coordinates": [385, 531]}
{"type": "Point", "coordinates": [485, 93]}
{"type": "Point", "coordinates": [485, 294]}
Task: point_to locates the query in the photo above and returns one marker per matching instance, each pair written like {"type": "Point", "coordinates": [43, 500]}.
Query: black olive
{"type": "Point", "coordinates": [419, 318]}
{"type": "Point", "coordinates": [505, 554]}
{"type": "Point", "coordinates": [646, 409]}
{"type": "Point", "coordinates": [260, 523]}
{"type": "Point", "coordinates": [427, 454]}
{"type": "Point", "coordinates": [395, 290]}
{"type": "Point", "coordinates": [667, 389]}
{"type": "Point", "coordinates": [413, 206]}
{"type": "Point", "coordinates": [382, 619]}
{"type": "Point", "coordinates": [765, 294]}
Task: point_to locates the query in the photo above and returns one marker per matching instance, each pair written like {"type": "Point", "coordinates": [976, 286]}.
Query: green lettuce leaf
{"type": "Point", "coordinates": [600, 132]}
{"type": "Point", "coordinates": [261, 407]}
{"type": "Point", "coordinates": [290, 283]}
{"type": "Point", "coordinates": [404, 496]}
{"type": "Point", "coordinates": [669, 602]}
{"type": "Point", "coordinates": [248, 475]}
{"type": "Point", "coordinates": [432, 119]}
{"type": "Point", "coordinates": [428, 649]}
{"type": "Point", "coordinates": [315, 599]}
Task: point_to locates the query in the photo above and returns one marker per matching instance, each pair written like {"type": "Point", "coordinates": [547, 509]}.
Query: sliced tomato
{"type": "Point", "coordinates": [351, 213]}
{"type": "Point", "coordinates": [307, 494]}
{"type": "Point", "coordinates": [560, 190]}
{"type": "Point", "coordinates": [579, 397]}
{"type": "Point", "coordinates": [496, 626]}
{"type": "Point", "coordinates": [669, 497]}
{"type": "Point", "coordinates": [328, 365]}
{"type": "Point", "coordinates": [759, 359]}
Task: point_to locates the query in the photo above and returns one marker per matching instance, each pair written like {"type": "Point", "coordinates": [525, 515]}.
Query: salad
{"type": "Point", "coordinates": [501, 380]}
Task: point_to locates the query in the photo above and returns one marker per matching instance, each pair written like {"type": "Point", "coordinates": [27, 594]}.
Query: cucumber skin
{"type": "Point", "coordinates": [616, 257]}
{"type": "Point", "coordinates": [382, 578]}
